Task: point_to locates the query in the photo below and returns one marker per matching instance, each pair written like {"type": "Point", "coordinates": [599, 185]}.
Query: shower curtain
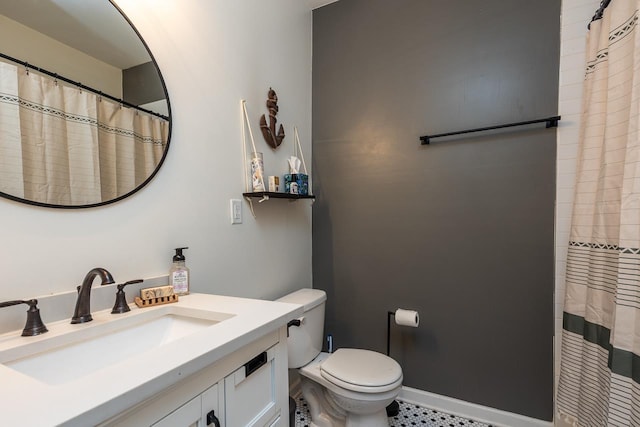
{"type": "Point", "coordinates": [64, 146]}
{"type": "Point", "coordinates": [599, 381]}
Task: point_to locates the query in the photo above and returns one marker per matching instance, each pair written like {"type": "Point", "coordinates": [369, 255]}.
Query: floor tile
{"type": "Point", "coordinates": [410, 415]}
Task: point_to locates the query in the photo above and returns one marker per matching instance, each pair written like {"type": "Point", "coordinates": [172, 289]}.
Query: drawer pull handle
{"type": "Point", "coordinates": [254, 364]}
{"type": "Point", "coordinates": [212, 419]}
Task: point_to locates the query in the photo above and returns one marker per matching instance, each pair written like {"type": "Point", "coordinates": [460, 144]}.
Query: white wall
{"type": "Point", "coordinates": [212, 54]}
{"type": "Point", "coordinates": [576, 14]}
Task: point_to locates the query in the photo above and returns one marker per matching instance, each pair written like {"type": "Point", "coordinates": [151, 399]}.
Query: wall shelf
{"type": "Point", "coordinates": [263, 196]}
{"type": "Point", "coordinates": [272, 194]}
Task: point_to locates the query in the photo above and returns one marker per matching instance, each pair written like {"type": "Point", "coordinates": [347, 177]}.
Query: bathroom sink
{"type": "Point", "coordinates": [89, 347]}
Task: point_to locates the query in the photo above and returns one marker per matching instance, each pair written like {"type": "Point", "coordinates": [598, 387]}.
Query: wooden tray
{"type": "Point", "coordinates": [150, 302]}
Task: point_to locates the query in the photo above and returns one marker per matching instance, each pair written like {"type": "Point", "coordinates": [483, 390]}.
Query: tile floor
{"type": "Point", "coordinates": [410, 415]}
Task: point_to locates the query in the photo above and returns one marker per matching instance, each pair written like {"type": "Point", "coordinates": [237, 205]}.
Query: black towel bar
{"type": "Point", "coordinates": [551, 122]}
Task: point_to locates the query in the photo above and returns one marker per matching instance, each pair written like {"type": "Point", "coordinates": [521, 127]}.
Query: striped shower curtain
{"type": "Point", "coordinates": [60, 145]}
{"type": "Point", "coordinates": [600, 366]}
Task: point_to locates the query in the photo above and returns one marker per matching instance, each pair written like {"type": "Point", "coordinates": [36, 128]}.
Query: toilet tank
{"type": "Point", "coordinates": [305, 342]}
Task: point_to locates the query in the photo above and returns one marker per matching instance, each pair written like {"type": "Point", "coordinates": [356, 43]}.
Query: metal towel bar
{"type": "Point", "coordinates": [551, 122]}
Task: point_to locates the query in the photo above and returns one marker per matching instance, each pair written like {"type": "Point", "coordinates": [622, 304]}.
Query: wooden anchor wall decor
{"type": "Point", "coordinates": [269, 131]}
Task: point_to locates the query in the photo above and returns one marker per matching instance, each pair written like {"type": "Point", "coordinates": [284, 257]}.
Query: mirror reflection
{"type": "Point", "coordinates": [83, 108]}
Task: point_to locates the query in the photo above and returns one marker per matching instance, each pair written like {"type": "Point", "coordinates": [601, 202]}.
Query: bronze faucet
{"type": "Point", "coordinates": [121, 305]}
{"type": "Point", "coordinates": [82, 312]}
{"type": "Point", "coordinates": [34, 324]}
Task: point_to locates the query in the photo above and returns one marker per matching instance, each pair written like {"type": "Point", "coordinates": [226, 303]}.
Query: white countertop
{"type": "Point", "coordinates": [114, 388]}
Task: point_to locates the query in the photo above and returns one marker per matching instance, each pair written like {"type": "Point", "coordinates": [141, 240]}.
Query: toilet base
{"type": "Point", "coordinates": [323, 412]}
{"type": "Point", "coordinates": [331, 406]}
{"type": "Point", "coordinates": [326, 412]}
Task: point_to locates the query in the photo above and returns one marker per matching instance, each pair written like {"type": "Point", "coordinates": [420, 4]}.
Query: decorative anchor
{"type": "Point", "coordinates": [269, 132]}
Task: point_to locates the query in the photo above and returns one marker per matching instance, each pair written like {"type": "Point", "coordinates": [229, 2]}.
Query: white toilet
{"type": "Point", "coordinates": [350, 387]}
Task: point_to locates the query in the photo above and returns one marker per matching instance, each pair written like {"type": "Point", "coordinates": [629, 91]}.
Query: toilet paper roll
{"type": "Point", "coordinates": [407, 318]}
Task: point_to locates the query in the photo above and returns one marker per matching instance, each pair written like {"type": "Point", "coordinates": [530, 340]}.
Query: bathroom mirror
{"type": "Point", "coordinates": [84, 111]}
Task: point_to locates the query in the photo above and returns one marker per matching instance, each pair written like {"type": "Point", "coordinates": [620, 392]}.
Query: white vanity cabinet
{"type": "Point", "coordinates": [247, 388]}
{"type": "Point", "coordinates": [168, 365]}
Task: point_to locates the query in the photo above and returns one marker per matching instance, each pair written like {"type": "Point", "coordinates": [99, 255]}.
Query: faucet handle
{"type": "Point", "coordinates": [121, 305]}
{"type": "Point", "coordinates": [34, 325]}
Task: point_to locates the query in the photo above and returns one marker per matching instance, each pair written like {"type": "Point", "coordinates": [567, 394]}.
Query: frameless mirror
{"type": "Point", "coordinates": [84, 111]}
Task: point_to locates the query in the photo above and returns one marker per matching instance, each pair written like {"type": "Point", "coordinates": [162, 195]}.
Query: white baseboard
{"type": "Point", "coordinates": [485, 414]}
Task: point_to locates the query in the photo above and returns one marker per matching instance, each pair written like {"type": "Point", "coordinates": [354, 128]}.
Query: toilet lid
{"type": "Point", "coordinates": [361, 368]}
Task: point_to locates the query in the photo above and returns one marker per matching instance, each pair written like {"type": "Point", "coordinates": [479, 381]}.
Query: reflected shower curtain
{"type": "Point", "coordinates": [600, 370]}
{"type": "Point", "coordinates": [65, 146]}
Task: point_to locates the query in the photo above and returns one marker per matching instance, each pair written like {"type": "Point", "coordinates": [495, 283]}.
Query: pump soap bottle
{"type": "Point", "coordinates": [179, 274]}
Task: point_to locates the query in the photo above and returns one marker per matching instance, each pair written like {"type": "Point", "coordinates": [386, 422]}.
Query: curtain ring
{"type": "Point", "coordinates": [26, 68]}
{"type": "Point", "coordinates": [55, 79]}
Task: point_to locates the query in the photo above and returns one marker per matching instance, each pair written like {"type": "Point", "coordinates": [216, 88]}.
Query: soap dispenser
{"type": "Point", "coordinates": [179, 273]}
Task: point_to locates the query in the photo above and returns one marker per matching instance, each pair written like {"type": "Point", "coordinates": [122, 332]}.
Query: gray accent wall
{"type": "Point", "coordinates": [141, 84]}
{"type": "Point", "coordinates": [461, 230]}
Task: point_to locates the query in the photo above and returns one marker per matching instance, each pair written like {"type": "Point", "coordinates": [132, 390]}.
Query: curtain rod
{"type": "Point", "coordinates": [551, 122]}
{"type": "Point", "coordinates": [81, 86]}
{"type": "Point", "coordinates": [599, 12]}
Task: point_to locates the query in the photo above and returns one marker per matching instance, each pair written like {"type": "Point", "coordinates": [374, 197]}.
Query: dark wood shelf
{"type": "Point", "coordinates": [274, 195]}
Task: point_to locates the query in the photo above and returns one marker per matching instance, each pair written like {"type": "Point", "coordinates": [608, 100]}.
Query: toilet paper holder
{"type": "Point", "coordinates": [408, 318]}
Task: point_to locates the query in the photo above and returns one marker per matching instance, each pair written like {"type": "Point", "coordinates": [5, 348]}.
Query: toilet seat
{"type": "Point", "coordinates": [361, 370]}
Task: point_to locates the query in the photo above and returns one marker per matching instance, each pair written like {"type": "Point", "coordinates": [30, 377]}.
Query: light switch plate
{"type": "Point", "coordinates": [236, 211]}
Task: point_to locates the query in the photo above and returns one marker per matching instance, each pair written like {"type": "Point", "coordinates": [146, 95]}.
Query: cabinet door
{"type": "Point", "coordinates": [212, 408]}
{"type": "Point", "coordinates": [188, 415]}
{"type": "Point", "coordinates": [250, 392]}
{"type": "Point", "coordinates": [201, 411]}
{"type": "Point", "coordinates": [275, 422]}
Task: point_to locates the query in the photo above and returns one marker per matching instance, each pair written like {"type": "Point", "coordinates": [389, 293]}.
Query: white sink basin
{"type": "Point", "coordinates": [92, 346]}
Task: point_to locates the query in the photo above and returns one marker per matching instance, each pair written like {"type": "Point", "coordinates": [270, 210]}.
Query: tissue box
{"type": "Point", "coordinates": [296, 183]}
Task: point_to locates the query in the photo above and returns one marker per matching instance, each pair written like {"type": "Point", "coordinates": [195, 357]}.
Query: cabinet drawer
{"type": "Point", "coordinates": [250, 392]}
